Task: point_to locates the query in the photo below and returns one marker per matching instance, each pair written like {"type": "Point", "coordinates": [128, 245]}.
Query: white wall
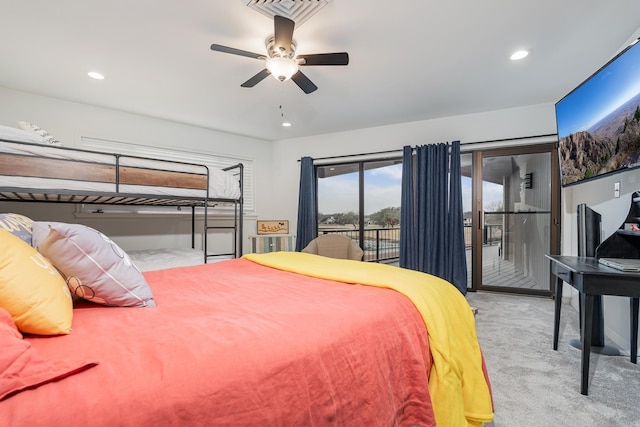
{"type": "Point", "coordinates": [494, 125]}
{"type": "Point", "coordinates": [598, 195]}
{"type": "Point", "coordinates": [69, 122]}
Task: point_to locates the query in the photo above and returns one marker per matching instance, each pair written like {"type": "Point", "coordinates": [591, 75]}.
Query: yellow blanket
{"type": "Point", "coordinates": [459, 392]}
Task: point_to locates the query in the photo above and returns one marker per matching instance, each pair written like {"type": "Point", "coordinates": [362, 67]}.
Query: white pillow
{"type": "Point", "coordinates": [43, 134]}
{"type": "Point", "coordinates": [14, 134]}
{"type": "Point", "coordinates": [95, 267]}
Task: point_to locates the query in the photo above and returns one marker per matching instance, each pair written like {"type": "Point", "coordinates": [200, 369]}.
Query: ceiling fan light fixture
{"type": "Point", "coordinates": [282, 68]}
{"type": "Point", "coordinates": [281, 60]}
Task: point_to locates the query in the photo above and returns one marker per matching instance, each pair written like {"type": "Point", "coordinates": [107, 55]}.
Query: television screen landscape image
{"type": "Point", "coordinates": [599, 121]}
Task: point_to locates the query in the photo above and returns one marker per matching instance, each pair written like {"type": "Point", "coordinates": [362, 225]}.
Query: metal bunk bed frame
{"type": "Point", "coordinates": [52, 195]}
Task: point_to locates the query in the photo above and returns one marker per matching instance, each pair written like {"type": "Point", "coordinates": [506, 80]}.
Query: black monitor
{"type": "Point", "coordinates": [589, 224]}
{"type": "Point", "coordinates": [589, 236]}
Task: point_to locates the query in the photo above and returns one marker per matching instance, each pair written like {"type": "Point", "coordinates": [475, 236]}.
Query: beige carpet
{"type": "Point", "coordinates": [536, 386]}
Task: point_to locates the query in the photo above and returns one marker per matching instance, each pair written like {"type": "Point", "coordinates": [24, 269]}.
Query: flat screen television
{"type": "Point", "coordinates": [599, 121]}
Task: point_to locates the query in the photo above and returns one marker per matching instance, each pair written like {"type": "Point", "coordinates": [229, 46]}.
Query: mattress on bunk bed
{"type": "Point", "coordinates": [242, 343]}
{"type": "Point", "coordinates": [158, 259]}
{"type": "Point", "coordinates": [44, 167]}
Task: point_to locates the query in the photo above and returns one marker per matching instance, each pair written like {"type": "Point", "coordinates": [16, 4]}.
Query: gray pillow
{"type": "Point", "coordinates": [18, 225]}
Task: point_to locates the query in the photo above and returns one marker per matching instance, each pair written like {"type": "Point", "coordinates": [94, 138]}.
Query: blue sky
{"type": "Point", "coordinates": [609, 88]}
{"type": "Point", "coordinates": [492, 195]}
{"type": "Point", "coordinates": [383, 188]}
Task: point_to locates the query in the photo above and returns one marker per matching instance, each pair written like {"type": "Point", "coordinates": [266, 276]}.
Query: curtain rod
{"type": "Point", "coordinates": [461, 145]}
{"type": "Point", "coordinates": [509, 139]}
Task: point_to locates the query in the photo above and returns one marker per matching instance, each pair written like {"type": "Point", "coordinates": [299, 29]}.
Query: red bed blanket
{"type": "Point", "coordinates": [238, 343]}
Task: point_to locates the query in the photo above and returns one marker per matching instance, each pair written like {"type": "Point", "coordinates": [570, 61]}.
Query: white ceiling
{"type": "Point", "coordinates": [409, 60]}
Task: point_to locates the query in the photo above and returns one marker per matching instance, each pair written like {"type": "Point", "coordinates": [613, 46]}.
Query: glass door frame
{"type": "Point", "coordinates": [477, 220]}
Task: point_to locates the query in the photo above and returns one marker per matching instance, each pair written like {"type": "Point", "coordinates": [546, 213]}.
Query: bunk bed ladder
{"type": "Point", "coordinates": [238, 220]}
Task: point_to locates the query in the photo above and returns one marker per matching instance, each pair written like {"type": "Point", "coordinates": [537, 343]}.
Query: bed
{"type": "Point", "coordinates": [282, 338]}
{"type": "Point", "coordinates": [32, 170]}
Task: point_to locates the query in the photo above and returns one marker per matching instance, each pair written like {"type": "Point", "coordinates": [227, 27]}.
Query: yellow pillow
{"type": "Point", "coordinates": [32, 290]}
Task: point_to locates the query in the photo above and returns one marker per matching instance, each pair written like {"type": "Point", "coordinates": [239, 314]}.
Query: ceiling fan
{"type": "Point", "coordinates": [281, 59]}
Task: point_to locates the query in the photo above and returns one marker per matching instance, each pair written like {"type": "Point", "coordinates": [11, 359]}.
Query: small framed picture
{"type": "Point", "coordinates": [279, 226]}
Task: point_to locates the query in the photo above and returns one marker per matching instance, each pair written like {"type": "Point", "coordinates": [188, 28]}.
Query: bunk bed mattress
{"type": "Point", "coordinates": [159, 259]}
{"type": "Point", "coordinates": [222, 185]}
{"type": "Point", "coordinates": [239, 343]}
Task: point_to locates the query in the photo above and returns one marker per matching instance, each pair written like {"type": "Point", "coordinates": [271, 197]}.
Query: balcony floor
{"type": "Point", "coordinates": [499, 272]}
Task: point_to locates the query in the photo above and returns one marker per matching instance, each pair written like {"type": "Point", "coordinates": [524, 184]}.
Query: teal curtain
{"type": "Point", "coordinates": [431, 206]}
{"type": "Point", "coordinates": [307, 228]}
{"type": "Point", "coordinates": [432, 231]}
{"type": "Point", "coordinates": [408, 239]}
{"type": "Point", "coordinates": [457, 257]}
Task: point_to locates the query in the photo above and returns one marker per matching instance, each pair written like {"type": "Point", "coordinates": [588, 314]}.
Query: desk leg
{"type": "Point", "coordinates": [556, 321]}
{"type": "Point", "coordinates": [634, 330]}
{"type": "Point", "coordinates": [587, 326]}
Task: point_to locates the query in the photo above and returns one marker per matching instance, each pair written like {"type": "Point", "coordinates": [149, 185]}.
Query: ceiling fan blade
{"type": "Point", "coordinates": [256, 79]}
{"type": "Point", "coordinates": [339, 58]}
{"type": "Point", "coordinates": [303, 82]}
{"type": "Point", "coordinates": [234, 51]}
{"type": "Point", "coordinates": [283, 33]}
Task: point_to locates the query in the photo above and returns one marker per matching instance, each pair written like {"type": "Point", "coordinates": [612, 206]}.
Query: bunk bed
{"type": "Point", "coordinates": [35, 172]}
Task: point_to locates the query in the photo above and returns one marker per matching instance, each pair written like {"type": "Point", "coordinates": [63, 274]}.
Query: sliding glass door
{"type": "Point", "coordinates": [515, 219]}
{"type": "Point", "coordinates": [511, 204]}
{"type": "Point", "coordinates": [466, 168]}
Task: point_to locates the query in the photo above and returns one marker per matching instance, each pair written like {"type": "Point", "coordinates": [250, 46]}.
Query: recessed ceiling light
{"type": "Point", "coordinates": [286, 124]}
{"type": "Point", "coordinates": [95, 75]}
{"type": "Point", "coordinates": [519, 55]}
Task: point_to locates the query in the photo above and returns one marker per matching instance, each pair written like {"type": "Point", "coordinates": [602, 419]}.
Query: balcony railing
{"type": "Point", "coordinates": [383, 244]}
{"type": "Point", "coordinates": [380, 244]}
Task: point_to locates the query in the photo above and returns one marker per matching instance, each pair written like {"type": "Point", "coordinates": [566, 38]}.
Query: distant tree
{"type": "Point", "coordinates": [322, 217]}
{"type": "Point", "coordinates": [346, 218]}
{"type": "Point", "coordinates": [387, 217]}
{"type": "Point", "coordinates": [636, 115]}
{"type": "Point", "coordinates": [354, 220]}
{"type": "Point", "coordinates": [493, 218]}
{"type": "Point", "coordinates": [393, 221]}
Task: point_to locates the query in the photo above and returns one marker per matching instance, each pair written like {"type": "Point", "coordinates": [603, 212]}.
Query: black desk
{"type": "Point", "coordinates": [592, 279]}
